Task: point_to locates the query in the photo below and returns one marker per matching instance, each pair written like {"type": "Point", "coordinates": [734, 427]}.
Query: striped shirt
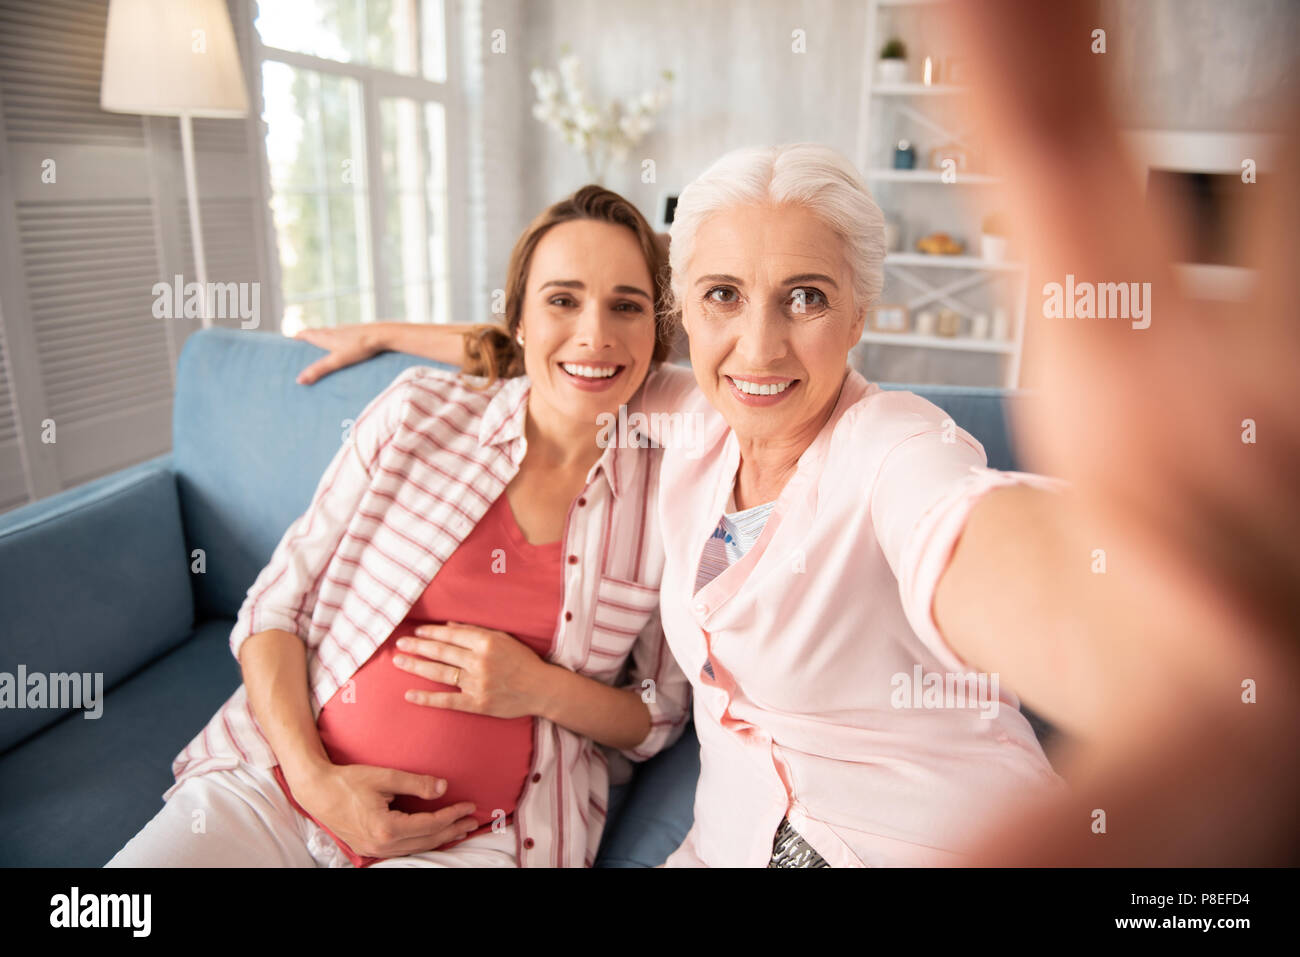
{"type": "Point", "coordinates": [422, 465]}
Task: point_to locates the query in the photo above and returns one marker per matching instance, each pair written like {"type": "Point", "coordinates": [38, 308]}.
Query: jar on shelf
{"type": "Point", "coordinates": [949, 323]}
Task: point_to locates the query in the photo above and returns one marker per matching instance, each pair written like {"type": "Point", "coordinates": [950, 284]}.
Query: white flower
{"type": "Point", "coordinates": [596, 131]}
{"type": "Point", "coordinates": [586, 118]}
{"type": "Point", "coordinates": [571, 77]}
{"type": "Point", "coordinates": [634, 127]}
{"type": "Point", "coordinates": [547, 85]}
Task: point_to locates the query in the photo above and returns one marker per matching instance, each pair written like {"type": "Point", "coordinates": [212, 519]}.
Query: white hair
{"type": "Point", "coordinates": [806, 174]}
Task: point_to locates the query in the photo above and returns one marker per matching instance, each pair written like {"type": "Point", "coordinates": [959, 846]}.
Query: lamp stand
{"type": "Point", "coordinates": [196, 226]}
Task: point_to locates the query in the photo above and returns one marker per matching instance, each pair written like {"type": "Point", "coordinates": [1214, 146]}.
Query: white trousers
{"type": "Point", "coordinates": [241, 818]}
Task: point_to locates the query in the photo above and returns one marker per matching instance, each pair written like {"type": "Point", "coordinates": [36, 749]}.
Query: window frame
{"type": "Point", "coordinates": [377, 85]}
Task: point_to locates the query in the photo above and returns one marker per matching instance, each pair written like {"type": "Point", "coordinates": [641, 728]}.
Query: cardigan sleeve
{"type": "Point", "coordinates": [930, 479]}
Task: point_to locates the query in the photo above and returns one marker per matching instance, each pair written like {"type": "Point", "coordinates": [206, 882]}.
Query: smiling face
{"type": "Point", "coordinates": [587, 320]}
{"type": "Point", "coordinates": [769, 307]}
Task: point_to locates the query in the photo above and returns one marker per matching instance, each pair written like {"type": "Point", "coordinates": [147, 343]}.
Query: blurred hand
{"type": "Point", "coordinates": [1201, 529]}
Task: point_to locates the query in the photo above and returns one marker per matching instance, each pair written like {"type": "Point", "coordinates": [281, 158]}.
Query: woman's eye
{"type": "Point", "coordinates": [629, 307]}
{"type": "Point", "coordinates": [721, 294]}
{"type": "Point", "coordinates": [561, 301]}
{"type": "Point", "coordinates": [805, 299]}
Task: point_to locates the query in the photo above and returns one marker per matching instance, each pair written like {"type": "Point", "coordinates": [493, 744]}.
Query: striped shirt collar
{"type": "Point", "coordinates": [503, 422]}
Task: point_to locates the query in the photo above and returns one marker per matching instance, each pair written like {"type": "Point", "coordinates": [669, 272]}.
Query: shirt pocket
{"type": "Point", "coordinates": [622, 610]}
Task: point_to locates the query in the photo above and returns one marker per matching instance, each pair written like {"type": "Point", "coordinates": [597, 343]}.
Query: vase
{"type": "Point", "coordinates": [891, 71]}
{"type": "Point", "coordinates": [993, 248]}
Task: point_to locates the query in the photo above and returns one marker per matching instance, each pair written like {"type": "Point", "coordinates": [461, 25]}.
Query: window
{"type": "Point", "coordinates": [358, 114]}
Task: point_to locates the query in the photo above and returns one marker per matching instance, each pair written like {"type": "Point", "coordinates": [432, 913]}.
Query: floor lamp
{"type": "Point", "coordinates": [175, 58]}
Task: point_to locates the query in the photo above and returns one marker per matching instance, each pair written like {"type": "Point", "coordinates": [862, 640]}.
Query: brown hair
{"type": "Point", "coordinates": [491, 349]}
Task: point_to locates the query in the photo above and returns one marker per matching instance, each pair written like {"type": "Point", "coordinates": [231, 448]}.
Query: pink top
{"type": "Point", "coordinates": [484, 760]}
{"type": "Point", "coordinates": [823, 644]}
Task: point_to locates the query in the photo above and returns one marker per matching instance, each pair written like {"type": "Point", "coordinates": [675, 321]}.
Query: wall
{"type": "Point", "coordinates": [1178, 64]}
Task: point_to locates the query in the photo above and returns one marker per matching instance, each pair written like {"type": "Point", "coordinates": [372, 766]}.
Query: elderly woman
{"type": "Point", "coordinates": [814, 591]}
{"type": "Point", "coordinates": [808, 535]}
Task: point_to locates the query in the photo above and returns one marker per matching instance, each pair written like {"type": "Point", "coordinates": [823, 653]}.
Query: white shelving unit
{"type": "Point", "coordinates": [902, 266]}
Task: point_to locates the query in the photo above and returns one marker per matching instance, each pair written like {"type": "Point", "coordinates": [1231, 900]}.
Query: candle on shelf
{"type": "Point", "coordinates": [1001, 324]}
{"type": "Point", "coordinates": [929, 71]}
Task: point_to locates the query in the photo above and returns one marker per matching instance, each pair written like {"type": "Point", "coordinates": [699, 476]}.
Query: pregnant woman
{"type": "Point", "coordinates": [452, 648]}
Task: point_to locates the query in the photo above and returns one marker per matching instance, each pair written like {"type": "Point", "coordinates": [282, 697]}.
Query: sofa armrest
{"type": "Point", "coordinates": [93, 581]}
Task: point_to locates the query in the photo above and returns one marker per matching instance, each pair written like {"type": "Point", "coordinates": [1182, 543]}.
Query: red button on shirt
{"type": "Point", "coordinates": [528, 843]}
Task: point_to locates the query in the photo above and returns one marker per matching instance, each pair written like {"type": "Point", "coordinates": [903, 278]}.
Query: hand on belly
{"type": "Point", "coordinates": [484, 760]}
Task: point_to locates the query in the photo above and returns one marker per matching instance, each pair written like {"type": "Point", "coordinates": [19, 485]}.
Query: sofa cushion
{"type": "Point", "coordinates": [77, 792]}
{"type": "Point", "coordinates": [250, 445]}
{"type": "Point", "coordinates": [92, 580]}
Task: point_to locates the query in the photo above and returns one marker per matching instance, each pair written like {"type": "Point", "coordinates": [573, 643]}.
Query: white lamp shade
{"type": "Point", "coordinates": [171, 58]}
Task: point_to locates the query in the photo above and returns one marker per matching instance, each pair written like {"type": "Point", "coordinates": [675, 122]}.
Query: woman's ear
{"type": "Point", "coordinates": [683, 323]}
{"type": "Point", "coordinates": [858, 324]}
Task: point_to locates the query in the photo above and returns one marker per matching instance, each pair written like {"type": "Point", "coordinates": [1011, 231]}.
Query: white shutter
{"type": "Point", "coordinates": [79, 257]}
{"type": "Point", "coordinates": [94, 360]}
{"type": "Point", "coordinates": [90, 268]}
{"type": "Point", "coordinates": [13, 485]}
{"type": "Point", "coordinates": [51, 55]}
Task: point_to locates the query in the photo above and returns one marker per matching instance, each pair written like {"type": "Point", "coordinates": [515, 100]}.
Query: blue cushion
{"type": "Point", "coordinates": [250, 446]}
{"type": "Point", "coordinates": [73, 795]}
{"type": "Point", "coordinates": [95, 579]}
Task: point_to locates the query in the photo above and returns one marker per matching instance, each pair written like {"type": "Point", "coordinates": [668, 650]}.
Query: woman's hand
{"type": "Point", "coordinates": [347, 345]}
{"type": "Point", "coordinates": [497, 674]}
{"type": "Point", "coordinates": [352, 801]}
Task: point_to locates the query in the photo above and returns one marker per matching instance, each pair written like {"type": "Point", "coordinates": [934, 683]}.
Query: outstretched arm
{"type": "Point", "coordinates": [348, 345]}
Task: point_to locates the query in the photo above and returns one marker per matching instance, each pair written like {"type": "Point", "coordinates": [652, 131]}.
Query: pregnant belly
{"type": "Point", "coordinates": [483, 759]}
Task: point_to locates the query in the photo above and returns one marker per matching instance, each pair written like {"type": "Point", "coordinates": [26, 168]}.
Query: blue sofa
{"type": "Point", "coordinates": [104, 578]}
